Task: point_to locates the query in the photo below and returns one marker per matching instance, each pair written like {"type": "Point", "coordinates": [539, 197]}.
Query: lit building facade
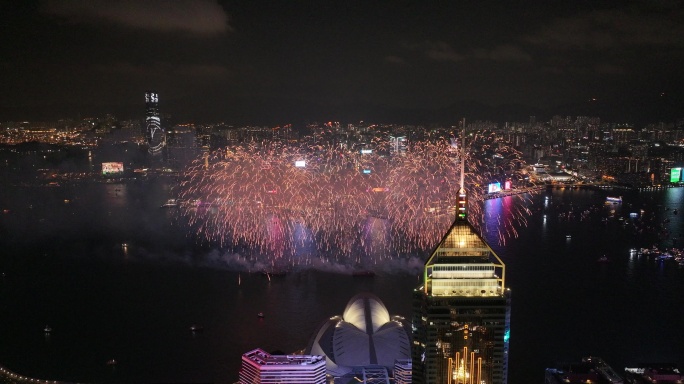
{"type": "Point", "coordinates": [259, 367]}
{"type": "Point", "coordinates": [402, 371]}
{"type": "Point", "coordinates": [155, 135]}
{"type": "Point", "coordinates": [461, 316]}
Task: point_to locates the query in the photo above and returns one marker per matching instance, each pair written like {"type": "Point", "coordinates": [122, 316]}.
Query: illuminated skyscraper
{"type": "Point", "coordinates": [156, 138]}
{"type": "Point", "coordinates": [402, 371]}
{"type": "Point", "coordinates": [259, 367]}
{"type": "Point", "coordinates": [461, 315]}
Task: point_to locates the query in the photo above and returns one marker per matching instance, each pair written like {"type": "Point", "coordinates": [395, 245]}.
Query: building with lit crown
{"type": "Point", "coordinates": [259, 367]}
{"type": "Point", "coordinates": [155, 135]}
{"type": "Point", "coordinates": [461, 318]}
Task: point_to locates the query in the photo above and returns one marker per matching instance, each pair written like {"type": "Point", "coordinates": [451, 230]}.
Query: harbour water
{"type": "Point", "coordinates": [106, 269]}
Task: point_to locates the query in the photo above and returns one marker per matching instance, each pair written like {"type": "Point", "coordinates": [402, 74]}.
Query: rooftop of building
{"type": "Point", "coordinates": [665, 373]}
{"type": "Point", "coordinates": [589, 370]}
{"type": "Point", "coordinates": [262, 357]}
{"type": "Point", "coordinates": [464, 265]}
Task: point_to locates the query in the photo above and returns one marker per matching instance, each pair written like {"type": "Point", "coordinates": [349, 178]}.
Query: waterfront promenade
{"type": "Point", "coordinates": [9, 377]}
{"type": "Point", "coordinates": [594, 186]}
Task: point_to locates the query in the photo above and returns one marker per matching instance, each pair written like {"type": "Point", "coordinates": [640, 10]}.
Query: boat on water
{"type": "Point", "coordinates": [603, 259]}
{"type": "Point", "coordinates": [170, 203]}
{"type": "Point", "coordinates": [260, 315]}
{"type": "Point", "coordinates": [196, 328]}
{"type": "Point", "coordinates": [649, 251]}
{"type": "Point", "coordinates": [112, 362]}
{"type": "Point", "coordinates": [614, 199]}
{"type": "Point", "coordinates": [274, 272]}
{"type": "Point", "coordinates": [47, 329]}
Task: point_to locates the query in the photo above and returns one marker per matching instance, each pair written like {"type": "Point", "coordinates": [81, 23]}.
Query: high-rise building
{"type": "Point", "coordinates": [155, 135]}
{"type": "Point", "coordinates": [461, 315]}
{"type": "Point", "coordinates": [259, 367]}
{"type": "Point", "coordinates": [402, 371]}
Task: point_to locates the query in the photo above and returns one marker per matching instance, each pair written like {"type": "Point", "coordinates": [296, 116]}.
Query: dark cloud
{"type": "Point", "coordinates": [609, 69]}
{"type": "Point", "coordinates": [502, 53]}
{"type": "Point", "coordinates": [303, 60]}
{"type": "Point", "coordinates": [441, 51]}
{"type": "Point", "coordinates": [394, 59]}
{"type": "Point", "coordinates": [614, 28]}
{"type": "Point", "coordinates": [203, 17]}
{"type": "Point", "coordinates": [162, 69]}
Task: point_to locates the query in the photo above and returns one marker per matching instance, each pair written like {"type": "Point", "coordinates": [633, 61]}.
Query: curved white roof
{"type": "Point", "coordinates": [364, 335]}
{"type": "Point", "coordinates": [366, 310]}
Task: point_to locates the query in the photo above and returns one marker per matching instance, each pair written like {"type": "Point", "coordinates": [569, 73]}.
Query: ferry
{"type": "Point", "coordinates": [614, 199]}
{"type": "Point", "coordinates": [170, 203]}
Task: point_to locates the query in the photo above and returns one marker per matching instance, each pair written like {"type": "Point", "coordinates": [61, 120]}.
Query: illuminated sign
{"type": "Point", "coordinates": [494, 187]}
{"type": "Point", "coordinates": [112, 168]}
{"type": "Point", "coordinates": [366, 151]}
{"type": "Point", "coordinates": [380, 189]}
{"type": "Point", "coordinates": [507, 185]}
{"type": "Point", "coordinates": [300, 163]}
{"type": "Point", "coordinates": [367, 171]}
{"type": "Point", "coordinates": [675, 175]}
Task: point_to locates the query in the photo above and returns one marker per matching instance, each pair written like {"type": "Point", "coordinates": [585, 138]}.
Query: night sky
{"type": "Point", "coordinates": [395, 61]}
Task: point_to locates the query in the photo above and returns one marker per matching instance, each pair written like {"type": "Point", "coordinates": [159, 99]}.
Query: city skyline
{"type": "Point", "coordinates": [60, 209]}
{"type": "Point", "coordinates": [411, 62]}
{"type": "Point", "coordinates": [194, 188]}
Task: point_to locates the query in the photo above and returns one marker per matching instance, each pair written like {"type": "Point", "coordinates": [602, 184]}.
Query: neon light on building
{"type": "Point", "coordinates": [155, 135]}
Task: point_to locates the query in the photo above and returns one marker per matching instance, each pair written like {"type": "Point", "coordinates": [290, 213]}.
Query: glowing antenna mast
{"type": "Point", "coordinates": [462, 200]}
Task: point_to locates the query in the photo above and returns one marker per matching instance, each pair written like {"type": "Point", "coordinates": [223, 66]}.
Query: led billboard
{"type": "Point", "coordinates": [113, 168]}
{"type": "Point", "coordinates": [494, 187]}
{"type": "Point", "coordinates": [675, 175]}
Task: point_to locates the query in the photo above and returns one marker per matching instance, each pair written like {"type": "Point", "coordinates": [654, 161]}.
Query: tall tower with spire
{"type": "Point", "coordinates": [461, 314]}
{"type": "Point", "coordinates": [154, 133]}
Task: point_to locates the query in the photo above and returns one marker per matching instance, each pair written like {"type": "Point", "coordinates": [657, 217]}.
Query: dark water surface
{"type": "Point", "coordinates": [65, 265]}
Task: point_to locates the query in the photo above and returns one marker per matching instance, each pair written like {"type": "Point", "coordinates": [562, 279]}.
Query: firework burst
{"type": "Point", "coordinates": [291, 203]}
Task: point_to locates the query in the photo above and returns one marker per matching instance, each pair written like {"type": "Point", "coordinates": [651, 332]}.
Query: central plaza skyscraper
{"type": "Point", "coordinates": [461, 312]}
